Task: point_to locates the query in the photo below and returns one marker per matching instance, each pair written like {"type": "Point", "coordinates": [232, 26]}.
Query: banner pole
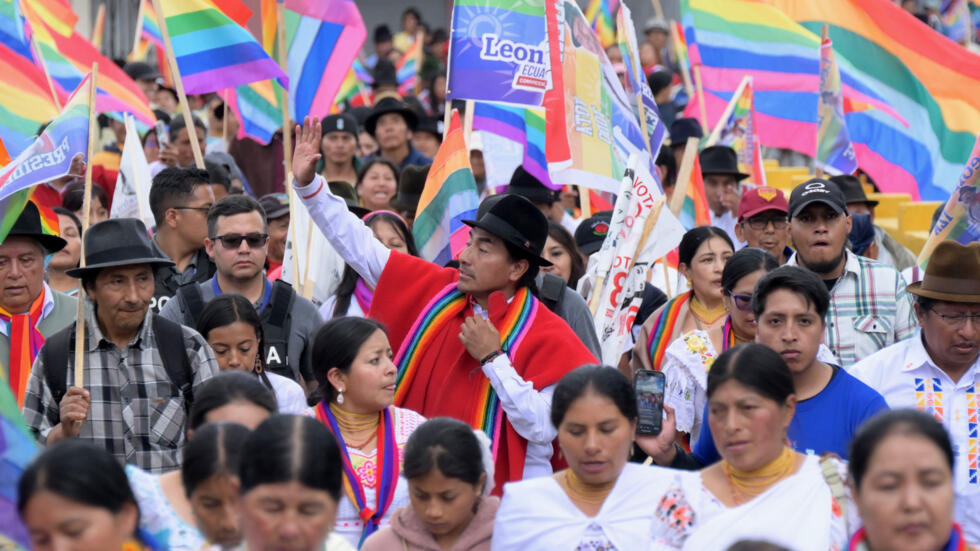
{"type": "Point", "coordinates": [684, 176]}
{"type": "Point", "coordinates": [181, 96]}
{"type": "Point", "coordinates": [716, 133]}
{"type": "Point", "coordinates": [701, 101]}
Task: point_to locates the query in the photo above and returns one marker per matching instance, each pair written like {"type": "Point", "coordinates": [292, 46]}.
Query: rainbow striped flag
{"type": "Point", "coordinates": [835, 153]}
{"type": "Point", "coordinates": [637, 90]}
{"type": "Point", "coordinates": [17, 448]}
{"type": "Point", "coordinates": [149, 24]}
{"type": "Point", "coordinates": [323, 38]}
{"type": "Point", "coordinates": [448, 198]}
{"type": "Point", "coordinates": [922, 119]}
{"type": "Point", "coordinates": [25, 100]}
{"type": "Point", "coordinates": [350, 88]}
{"type": "Point", "coordinates": [362, 73]}
{"type": "Point", "coordinates": [739, 132]}
{"type": "Point", "coordinates": [680, 47]}
{"type": "Point", "coordinates": [602, 16]}
{"type": "Point", "coordinates": [257, 107]}
{"type": "Point", "coordinates": [959, 220]}
{"type": "Point", "coordinates": [523, 125]}
{"type": "Point", "coordinates": [12, 29]}
{"type": "Point", "coordinates": [695, 211]}
{"type": "Point", "coordinates": [49, 157]}
{"type": "Point", "coordinates": [213, 51]}
{"type": "Point", "coordinates": [407, 69]}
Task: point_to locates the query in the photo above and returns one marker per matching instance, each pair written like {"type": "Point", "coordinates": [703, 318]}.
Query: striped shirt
{"type": "Point", "coordinates": [869, 309]}
{"type": "Point", "coordinates": [137, 413]}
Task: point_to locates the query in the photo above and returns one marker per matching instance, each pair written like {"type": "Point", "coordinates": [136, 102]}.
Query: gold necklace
{"type": "Point", "coordinates": [353, 423]}
{"type": "Point", "coordinates": [752, 483]}
{"type": "Point", "coordinates": [583, 492]}
{"type": "Point", "coordinates": [705, 314]}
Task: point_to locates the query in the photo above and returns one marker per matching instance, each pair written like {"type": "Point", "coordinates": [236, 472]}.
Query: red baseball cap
{"type": "Point", "coordinates": [761, 199]}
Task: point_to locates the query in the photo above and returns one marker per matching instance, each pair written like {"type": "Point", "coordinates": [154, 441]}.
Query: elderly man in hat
{"type": "Point", "coordinates": [719, 167]}
{"type": "Point", "coordinates": [448, 326]}
{"type": "Point", "coordinates": [938, 370]}
{"type": "Point", "coordinates": [762, 222]}
{"type": "Point", "coordinates": [30, 311]}
{"type": "Point", "coordinates": [392, 123]}
{"type": "Point", "coordinates": [140, 370]}
{"type": "Point", "coordinates": [869, 307]}
{"type": "Point", "coordinates": [890, 251]}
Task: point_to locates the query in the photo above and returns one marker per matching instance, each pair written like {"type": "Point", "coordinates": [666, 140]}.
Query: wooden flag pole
{"type": "Point", "coordinates": [419, 57]}
{"type": "Point", "coordinates": [47, 75]}
{"type": "Point", "coordinates": [642, 112]}
{"type": "Point", "coordinates": [701, 104]}
{"type": "Point", "coordinates": [663, 260]}
{"type": "Point", "coordinates": [685, 69]}
{"type": "Point", "coordinates": [86, 219]}
{"type": "Point", "coordinates": [468, 123]}
{"type": "Point", "coordinates": [684, 176]}
{"type": "Point", "coordinates": [307, 289]}
{"type": "Point", "coordinates": [99, 26]}
{"type": "Point", "coordinates": [446, 117]}
{"type": "Point", "coordinates": [648, 226]}
{"type": "Point", "coordinates": [716, 133]}
{"type": "Point", "coordinates": [181, 96]}
{"type": "Point", "coordinates": [658, 8]}
{"type": "Point", "coordinates": [287, 137]}
{"type": "Point", "coordinates": [139, 28]}
{"type": "Point", "coordinates": [585, 201]}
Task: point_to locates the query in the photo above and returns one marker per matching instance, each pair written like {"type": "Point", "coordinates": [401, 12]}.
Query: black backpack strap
{"type": "Point", "coordinates": [551, 291]}
{"type": "Point", "coordinates": [173, 354]}
{"type": "Point", "coordinates": [55, 354]}
{"type": "Point", "coordinates": [192, 301]}
{"type": "Point", "coordinates": [281, 302]}
{"type": "Point", "coordinates": [276, 324]}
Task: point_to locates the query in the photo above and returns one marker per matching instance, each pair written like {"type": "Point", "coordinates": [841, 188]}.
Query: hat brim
{"type": "Point", "coordinates": [82, 270]}
{"type": "Point", "coordinates": [809, 202]}
{"type": "Point", "coordinates": [533, 256]}
{"type": "Point", "coordinates": [411, 119]}
{"type": "Point", "coordinates": [590, 248]}
{"type": "Point", "coordinates": [51, 243]}
{"type": "Point", "coordinates": [916, 289]}
{"type": "Point", "coordinates": [762, 209]}
{"type": "Point", "coordinates": [277, 213]}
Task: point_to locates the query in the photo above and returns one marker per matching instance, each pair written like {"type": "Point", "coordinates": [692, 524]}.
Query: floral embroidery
{"type": "Point", "coordinates": [698, 345]}
{"type": "Point", "coordinates": [674, 511]}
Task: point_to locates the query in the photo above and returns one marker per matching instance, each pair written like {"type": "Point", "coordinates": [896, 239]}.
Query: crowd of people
{"type": "Point", "coordinates": [821, 389]}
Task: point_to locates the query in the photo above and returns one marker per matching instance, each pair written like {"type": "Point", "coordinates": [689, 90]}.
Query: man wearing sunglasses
{"type": "Point", "coordinates": [762, 222]}
{"type": "Point", "coordinates": [938, 370]}
{"type": "Point", "coordinates": [238, 242]}
{"type": "Point", "coordinates": [179, 200]}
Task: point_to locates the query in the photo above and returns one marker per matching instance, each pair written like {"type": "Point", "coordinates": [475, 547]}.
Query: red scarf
{"type": "Point", "coordinates": [25, 342]}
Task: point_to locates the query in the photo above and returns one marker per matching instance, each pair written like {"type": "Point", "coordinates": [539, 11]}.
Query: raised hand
{"type": "Point", "coordinates": [661, 447]}
{"type": "Point", "coordinates": [307, 151]}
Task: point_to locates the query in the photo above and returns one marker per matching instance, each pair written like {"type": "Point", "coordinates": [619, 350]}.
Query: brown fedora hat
{"type": "Point", "coordinates": [953, 274]}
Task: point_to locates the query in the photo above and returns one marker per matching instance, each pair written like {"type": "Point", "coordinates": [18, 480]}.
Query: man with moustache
{"type": "Point", "coordinates": [762, 222]}
{"type": "Point", "coordinates": [869, 306]}
{"type": "Point", "coordinates": [937, 371]}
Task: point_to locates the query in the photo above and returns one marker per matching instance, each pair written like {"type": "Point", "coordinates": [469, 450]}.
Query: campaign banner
{"type": "Point", "coordinates": [498, 51]}
{"type": "Point", "coordinates": [131, 198]}
{"type": "Point", "coordinates": [960, 219]}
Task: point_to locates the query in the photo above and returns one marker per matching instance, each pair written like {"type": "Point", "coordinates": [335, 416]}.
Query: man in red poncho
{"type": "Point", "coordinates": [472, 343]}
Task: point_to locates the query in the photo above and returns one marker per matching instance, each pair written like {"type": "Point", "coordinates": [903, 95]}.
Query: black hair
{"type": "Point", "coordinates": [218, 173]}
{"type": "Point", "coordinates": [78, 471]}
{"type": "Point", "coordinates": [375, 160]}
{"type": "Point", "coordinates": [336, 344]}
{"type": "Point", "coordinates": [345, 290]}
{"type": "Point", "coordinates": [907, 422]}
{"type": "Point", "coordinates": [288, 448]}
{"type": "Point", "coordinates": [743, 263]}
{"type": "Point", "coordinates": [215, 449]}
{"type": "Point", "coordinates": [231, 205]}
{"type": "Point", "coordinates": [73, 198]}
{"type": "Point", "coordinates": [412, 10]}
{"type": "Point", "coordinates": [755, 366]}
{"type": "Point", "coordinates": [179, 123]}
{"type": "Point", "coordinates": [224, 310]}
{"type": "Point", "coordinates": [528, 279]}
{"type": "Point", "coordinates": [447, 444]}
{"type": "Point", "coordinates": [226, 388]}
{"type": "Point", "coordinates": [558, 232]}
{"type": "Point", "coordinates": [603, 381]}
{"type": "Point", "coordinates": [172, 187]}
{"type": "Point", "coordinates": [796, 280]}
{"type": "Point", "coordinates": [925, 303]}
{"type": "Point", "coordinates": [666, 159]}
{"type": "Point", "coordinates": [382, 34]}
{"type": "Point", "coordinates": [67, 212]}
{"type": "Point", "coordinates": [693, 239]}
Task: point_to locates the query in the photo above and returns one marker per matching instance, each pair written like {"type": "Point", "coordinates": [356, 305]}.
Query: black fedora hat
{"type": "Point", "coordinates": [852, 189]}
{"type": "Point", "coordinates": [117, 242]}
{"type": "Point", "coordinates": [523, 183]}
{"type": "Point", "coordinates": [518, 222]}
{"type": "Point", "coordinates": [721, 159]}
{"type": "Point", "coordinates": [28, 224]}
{"type": "Point", "coordinates": [684, 128]}
{"type": "Point", "coordinates": [410, 186]}
{"type": "Point", "coordinates": [390, 105]}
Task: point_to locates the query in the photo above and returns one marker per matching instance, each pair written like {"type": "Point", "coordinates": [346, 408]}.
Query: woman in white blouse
{"type": "Point", "coordinates": [600, 501]}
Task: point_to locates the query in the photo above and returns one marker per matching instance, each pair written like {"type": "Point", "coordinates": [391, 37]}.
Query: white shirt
{"type": "Point", "coordinates": [726, 221]}
{"type": "Point", "coordinates": [906, 376]}
{"type": "Point", "coordinates": [528, 410]}
{"type": "Point", "coordinates": [289, 395]}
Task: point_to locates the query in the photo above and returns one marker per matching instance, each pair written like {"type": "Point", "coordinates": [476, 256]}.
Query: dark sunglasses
{"type": "Point", "coordinates": [233, 241]}
{"type": "Point", "coordinates": [743, 302]}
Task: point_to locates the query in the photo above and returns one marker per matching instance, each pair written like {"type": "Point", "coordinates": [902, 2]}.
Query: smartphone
{"type": "Point", "coordinates": [162, 136]}
{"type": "Point", "coordinates": [649, 387]}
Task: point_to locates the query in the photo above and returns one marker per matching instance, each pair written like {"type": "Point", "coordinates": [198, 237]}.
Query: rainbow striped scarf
{"type": "Point", "coordinates": [663, 328]}
{"type": "Point", "coordinates": [446, 304]}
{"type": "Point", "coordinates": [386, 467]}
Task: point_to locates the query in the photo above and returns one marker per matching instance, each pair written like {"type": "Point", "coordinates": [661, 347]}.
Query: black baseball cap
{"type": "Point", "coordinates": [592, 232]}
{"type": "Point", "coordinates": [340, 122]}
{"type": "Point", "coordinates": [816, 190]}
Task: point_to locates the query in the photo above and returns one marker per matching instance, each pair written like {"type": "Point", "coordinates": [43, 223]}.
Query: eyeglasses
{"type": "Point", "coordinates": [957, 320]}
{"type": "Point", "coordinates": [233, 241]}
{"type": "Point", "coordinates": [203, 209]}
{"type": "Point", "coordinates": [759, 224]}
{"type": "Point", "coordinates": [743, 302]}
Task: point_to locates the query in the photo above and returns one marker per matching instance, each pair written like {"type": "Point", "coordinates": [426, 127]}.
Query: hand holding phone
{"type": "Point", "coordinates": [649, 387]}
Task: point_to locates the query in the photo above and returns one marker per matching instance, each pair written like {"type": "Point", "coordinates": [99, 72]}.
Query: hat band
{"type": "Point", "coordinates": [117, 254]}
{"type": "Point", "coordinates": [951, 285]}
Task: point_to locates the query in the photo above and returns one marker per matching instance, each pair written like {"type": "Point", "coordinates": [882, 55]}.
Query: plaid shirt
{"type": "Point", "coordinates": [137, 413]}
{"type": "Point", "coordinates": [869, 309]}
